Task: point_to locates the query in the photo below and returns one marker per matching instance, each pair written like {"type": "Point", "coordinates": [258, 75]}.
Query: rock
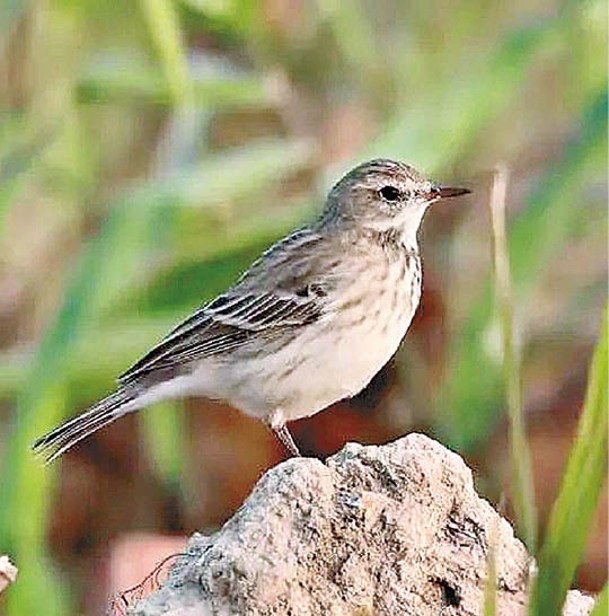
{"type": "Point", "coordinates": [393, 529]}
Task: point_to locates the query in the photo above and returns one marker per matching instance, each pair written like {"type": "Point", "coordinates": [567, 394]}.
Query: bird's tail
{"type": "Point", "coordinates": [104, 412]}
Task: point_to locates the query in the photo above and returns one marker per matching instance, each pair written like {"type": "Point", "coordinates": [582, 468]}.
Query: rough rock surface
{"type": "Point", "coordinates": [394, 529]}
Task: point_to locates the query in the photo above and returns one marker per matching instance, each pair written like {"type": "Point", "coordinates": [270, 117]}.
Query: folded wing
{"type": "Point", "coordinates": [287, 295]}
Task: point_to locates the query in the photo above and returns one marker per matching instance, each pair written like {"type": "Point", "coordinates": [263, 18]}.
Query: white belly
{"type": "Point", "coordinates": [334, 359]}
{"type": "Point", "coordinates": [339, 366]}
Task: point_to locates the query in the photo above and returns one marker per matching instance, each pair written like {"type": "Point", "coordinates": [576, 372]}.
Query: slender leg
{"type": "Point", "coordinates": [283, 434]}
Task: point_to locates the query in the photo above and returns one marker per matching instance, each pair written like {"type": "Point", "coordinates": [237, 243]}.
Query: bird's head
{"type": "Point", "coordinates": [384, 195]}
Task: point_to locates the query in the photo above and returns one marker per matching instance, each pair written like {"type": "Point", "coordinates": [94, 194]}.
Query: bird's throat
{"type": "Point", "coordinates": [392, 241]}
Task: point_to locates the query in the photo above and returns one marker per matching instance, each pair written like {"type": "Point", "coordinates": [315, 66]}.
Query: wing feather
{"type": "Point", "coordinates": [265, 300]}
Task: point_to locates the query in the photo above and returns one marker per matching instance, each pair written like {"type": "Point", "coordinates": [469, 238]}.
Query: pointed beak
{"type": "Point", "coordinates": [446, 192]}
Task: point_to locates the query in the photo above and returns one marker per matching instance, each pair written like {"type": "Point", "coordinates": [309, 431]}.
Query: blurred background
{"type": "Point", "coordinates": [149, 150]}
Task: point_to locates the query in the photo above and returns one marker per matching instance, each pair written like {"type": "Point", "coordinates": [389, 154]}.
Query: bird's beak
{"type": "Point", "coordinates": [446, 192]}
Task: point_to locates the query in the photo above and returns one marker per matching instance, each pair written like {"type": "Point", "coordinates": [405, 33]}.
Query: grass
{"type": "Point", "coordinates": [586, 470]}
{"type": "Point", "coordinates": [168, 40]}
{"type": "Point", "coordinates": [520, 457]}
{"type": "Point", "coordinates": [577, 501]}
{"type": "Point", "coordinates": [535, 237]}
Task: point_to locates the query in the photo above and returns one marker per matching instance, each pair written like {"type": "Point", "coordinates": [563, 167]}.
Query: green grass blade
{"type": "Point", "coordinates": [136, 83]}
{"type": "Point", "coordinates": [24, 514]}
{"type": "Point", "coordinates": [580, 490]}
{"type": "Point", "coordinates": [41, 403]}
{"type": "Point", "coordinates": [167, 38]}
{"type": "Point", "coordinates": [520, 457]}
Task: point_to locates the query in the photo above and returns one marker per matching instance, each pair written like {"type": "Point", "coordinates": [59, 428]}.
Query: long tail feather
{"type": "Point", "coordinates": [65, 436]}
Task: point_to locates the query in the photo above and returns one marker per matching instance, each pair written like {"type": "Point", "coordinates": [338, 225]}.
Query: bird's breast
{"type": "Point", "coordinates": [385, 297]}
{"type": "Point", "coordinates": [336, 356]}
{"type": "Point", "coordinates": [373, 317]}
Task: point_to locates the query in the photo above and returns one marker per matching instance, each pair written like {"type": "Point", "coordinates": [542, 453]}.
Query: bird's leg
{"type": "Point", "coordinates": [283, 434]}
{"type": "Point", "coordinates": [276, 420]}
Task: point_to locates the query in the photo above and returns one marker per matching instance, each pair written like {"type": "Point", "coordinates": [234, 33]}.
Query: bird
{"type": "Point", "coordinates": [308, 324]}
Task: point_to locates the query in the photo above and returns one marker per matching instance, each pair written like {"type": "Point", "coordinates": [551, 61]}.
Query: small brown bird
{"type": "Point", "coordinates": [310, 323]}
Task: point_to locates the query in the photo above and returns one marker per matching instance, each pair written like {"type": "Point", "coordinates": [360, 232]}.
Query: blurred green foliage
{"type": "Point", "coordinates": [602, 604]}
{"type": "Point", "coordinates": [108, 146]}
{"type": "Point", "coordinates": [577, 501]}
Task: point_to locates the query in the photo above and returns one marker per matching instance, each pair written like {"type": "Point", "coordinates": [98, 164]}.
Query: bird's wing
{"type": "Point", "coordinates": [281, 290]}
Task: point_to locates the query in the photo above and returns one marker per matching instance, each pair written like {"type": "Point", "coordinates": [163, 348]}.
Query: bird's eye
{"type": "Point", "coordinates": [389, 193]}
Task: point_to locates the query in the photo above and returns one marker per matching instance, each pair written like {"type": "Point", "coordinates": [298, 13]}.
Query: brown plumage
{"type": "Point", "coordinates": [309, 323]}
